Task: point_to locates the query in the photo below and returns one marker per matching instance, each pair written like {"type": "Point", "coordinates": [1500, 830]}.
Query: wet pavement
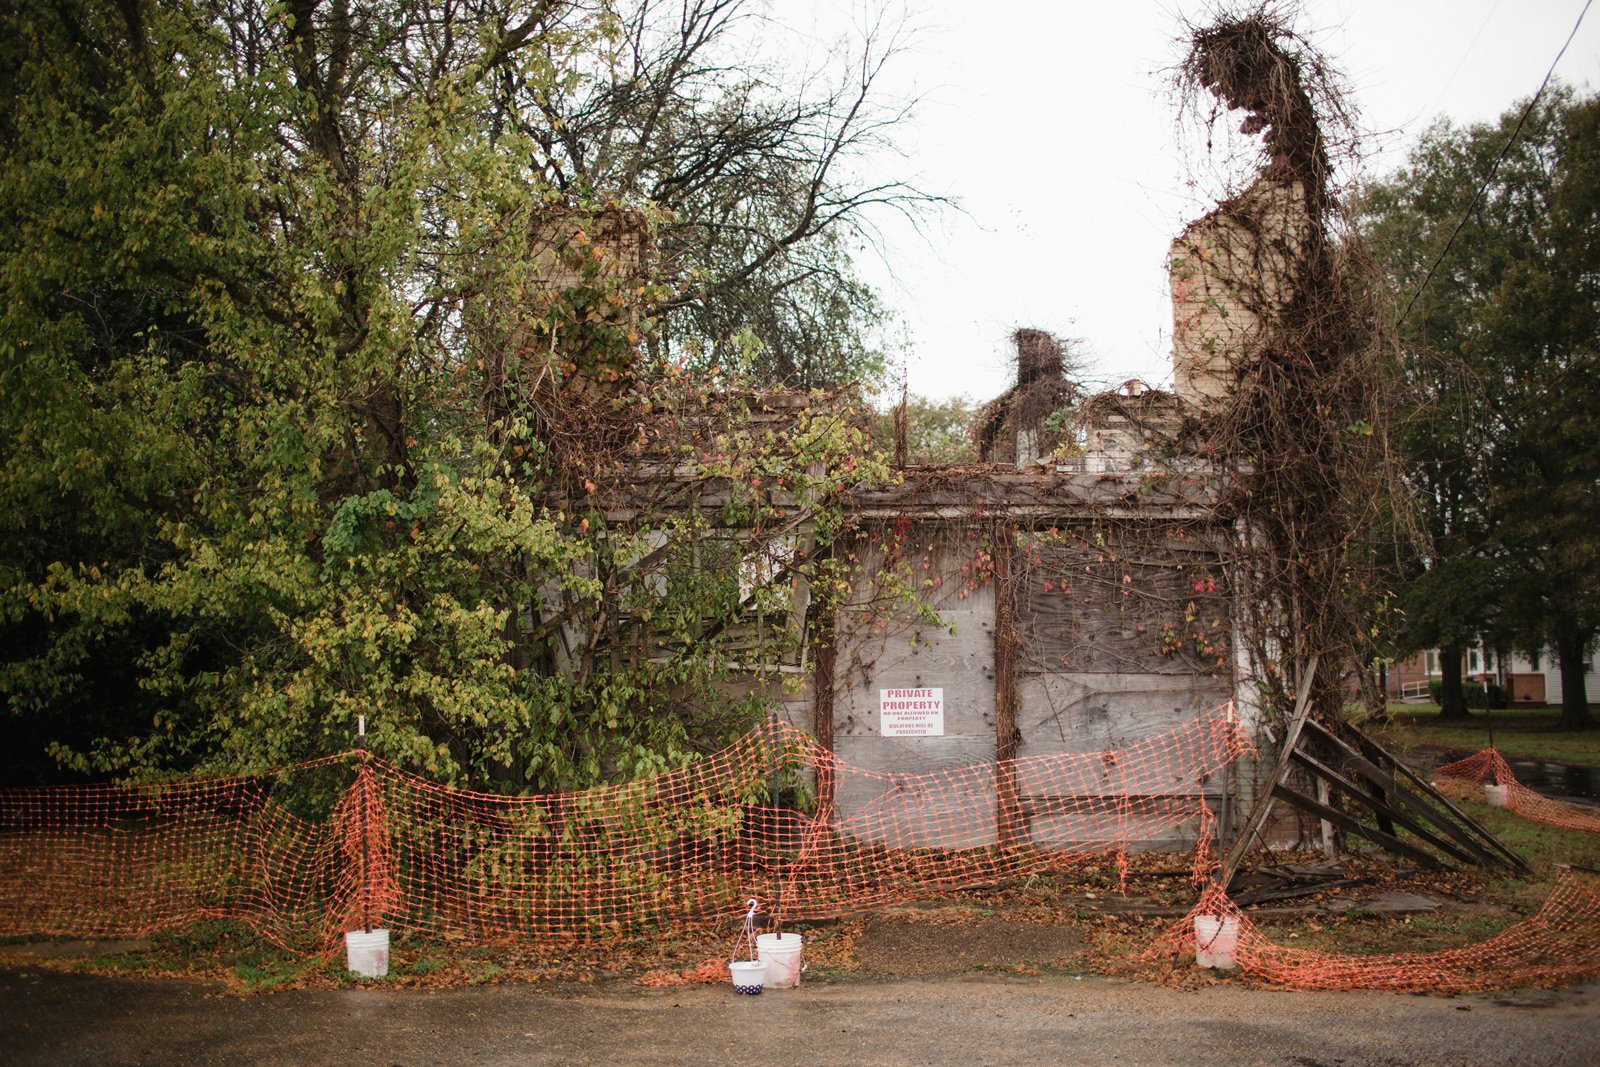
{"type": "Point", "coordinates": [51, 1017]}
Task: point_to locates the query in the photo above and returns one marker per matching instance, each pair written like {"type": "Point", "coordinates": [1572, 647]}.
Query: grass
{"type": "Point", "coordinates": [1475, 905]}
{"type": "Point", "coordinates": [224, 950]}
{"type": "Point", "coordinates": [1500, 898]}
{"type": "Point", "coordinates": [1541, 845]}
{"type": "Point", "coordinates": [1529, 733]}
{"type": "Point", "coordinates": [1364, 934]}
{"type": "Point", "coordinates": [274, 971]}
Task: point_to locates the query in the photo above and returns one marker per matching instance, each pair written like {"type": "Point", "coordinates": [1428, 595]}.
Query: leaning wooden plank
{"type": "Point", "coordinates": [1360, 795]}
{"type": "Point", "coordinates": [1391, 783]}
{"type": "Point", "coordinates": [1263, 805]}
{"type": "Point", "coordinates": [1429, 791]}
{"type": "Point", "coordinates": [1385, 841]}
{"type": "Point", "coordinates": [1264, 895]}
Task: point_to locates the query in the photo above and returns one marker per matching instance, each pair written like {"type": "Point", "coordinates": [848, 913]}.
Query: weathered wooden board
{"type": "Point", "coordinates": [949, 492]}
{"type": "Point", "coordinates": [1159, 605]}
{"type": "Point", "coordinates": [1083, 712]}
{"type": "Point", "coordinates": [920, 811]}
{"type": "Point", "coordinates": [958, 658]}
{"type": "Point", "coordinates": [962, 664]}
{"type": "Point", "coordinates": [1118, 690]}
{"type": "Point", "coordinates": [1141, 833]}
{"type": "Point", "coordinates": [886, 647]}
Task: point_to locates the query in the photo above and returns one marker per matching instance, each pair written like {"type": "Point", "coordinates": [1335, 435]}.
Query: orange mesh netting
{"type": "Point", "coordinates": [1556, 945]}
{"type": "Point", "coordinates": [1490, 768]}
{"type": "Point", "coordinates": [127, 861]}
{"type": "Point", "coordinates": [918, 833]}
{"type": "Point", "coordinates": [351, 841]}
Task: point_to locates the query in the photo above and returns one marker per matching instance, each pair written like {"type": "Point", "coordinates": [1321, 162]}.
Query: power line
{"type": "Point", "coordinates": [1464, 57]}
{"type": "Point", "coordinates": [1484, 187]}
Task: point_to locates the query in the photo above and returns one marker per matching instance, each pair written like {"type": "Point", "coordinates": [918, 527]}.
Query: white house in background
{"type": "Point", "coordinates": [1527, 679]}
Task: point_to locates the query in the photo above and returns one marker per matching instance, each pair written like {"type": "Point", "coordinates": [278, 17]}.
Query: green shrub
{"type": "Point", "coordinates": [1476, 694]}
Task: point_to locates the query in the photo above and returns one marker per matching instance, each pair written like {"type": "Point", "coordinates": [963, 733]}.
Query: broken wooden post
{"type": "Point", "coordinates": [1263, 805]}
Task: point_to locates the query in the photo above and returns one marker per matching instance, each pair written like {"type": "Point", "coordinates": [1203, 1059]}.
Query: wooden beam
{"type": "Point", "coordinates": [1265, 894]}
{"type": "Point", "coordinates": [1355, 792]}
{"type": "Point", "coordinates": [825, 640]}
{"type": "Point", "coordinates": [1355, 826]}
{"type": "Point", "coordinates": [1141, 805]}
{"type": "Point", "coordinates": [1392, 784]}
{"type": "Point", "coordinates": [1258, 815]}
{"type": "Point", "coordinates": [1429, 791]}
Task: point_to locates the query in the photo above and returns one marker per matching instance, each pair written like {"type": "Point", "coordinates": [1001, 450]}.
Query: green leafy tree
{"type": "Point", "coordinates": [938, 430]}
{"type": "Point", "coordinates": [1501, 362]}
{"type": "Point", "coordinates": [299, 427]}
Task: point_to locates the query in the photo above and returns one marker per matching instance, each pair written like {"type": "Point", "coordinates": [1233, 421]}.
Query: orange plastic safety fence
{"type": "Point", "coordinates": [1554, 946]}
{"type": "Point", "coordinates": [1490, 768]}
{"type": "Point", "coordinates": [895, 837]}
{"type": "Point", "coordinates": [351, 841]}
{"type": "Point", "coordinates": [280, 852]}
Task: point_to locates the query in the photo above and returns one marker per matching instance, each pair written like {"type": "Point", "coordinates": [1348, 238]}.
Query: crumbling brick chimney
{"type": "Point", "coordinates": [587, 268]}
{"type": "Point", "coordinates": [574, 248]}
{"type": "Point", "coordinates": [1232, 273]}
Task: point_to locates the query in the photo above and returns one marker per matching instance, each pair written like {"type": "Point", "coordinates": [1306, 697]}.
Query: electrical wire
{"type": "Point", "coordinates": [1484, 187]}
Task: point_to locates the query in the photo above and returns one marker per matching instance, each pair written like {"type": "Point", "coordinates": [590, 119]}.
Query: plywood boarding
{"type": "Point", "coordinates": [962, 664]}
{"type": "Point", "coordinates": [878, 651]}
{"type": "Point", "coordinates": [928, 810]}
{"type": "Point", "coordinates": [1154, 824]}
{"type": "Point", "coordinates": [1089, 600]}
{"type": "Point", "coordinates": [1109, 713]}
{"type": "Point", "coordinates": [1118, 686]}
{"type": "Point", "coordinates": [1085, 712]}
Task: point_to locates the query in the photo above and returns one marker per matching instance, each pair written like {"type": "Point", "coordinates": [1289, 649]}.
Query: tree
{"type": "Point", "coordinates": [938, 431]}
{"type": "Point", "coordinates": [298, 427]}
{"type": "Point", "coordinates": [1501, 360]}
{"type": "Point", "coordinates": [756, 168]}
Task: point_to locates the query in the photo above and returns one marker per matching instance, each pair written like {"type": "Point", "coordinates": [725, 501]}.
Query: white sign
{"type": "Point", "coordinates": [911, 712]}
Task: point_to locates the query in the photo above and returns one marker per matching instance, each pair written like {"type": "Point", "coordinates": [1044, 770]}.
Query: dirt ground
{"type": "Point", "coordinates": [53, 1018]}
{"type": "Point", "coordinates": [1079, 926]}
{"type": "Point", "coordinates": [910, 948]}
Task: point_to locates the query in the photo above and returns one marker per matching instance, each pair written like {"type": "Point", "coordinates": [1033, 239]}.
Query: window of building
{"type": "Point", "coordinates": [1472, 659]}
{"type": "Point", "coordinates": [1533, 662]}
{"type": "Point", "coordinates": [1430, 663]}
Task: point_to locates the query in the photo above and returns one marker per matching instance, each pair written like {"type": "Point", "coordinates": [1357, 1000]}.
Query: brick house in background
{"type": "Point", "coordinates": [1529, 680]}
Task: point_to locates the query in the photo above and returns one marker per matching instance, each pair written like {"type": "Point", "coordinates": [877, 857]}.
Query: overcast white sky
{"type": "Point", "coordinates": [1052, 125]}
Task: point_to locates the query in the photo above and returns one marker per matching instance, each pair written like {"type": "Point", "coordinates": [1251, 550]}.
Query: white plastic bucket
{"type": "Point", "coordinates": [747, 976]}
{"type": "Point", "coordinates": [1216, 940]}
{"type": "Point", "coordinates": [781, 954]}
{"type": "Point", "coordinates": [367, 952]}
{"type": "Point", "coordinates": [1496, 795]}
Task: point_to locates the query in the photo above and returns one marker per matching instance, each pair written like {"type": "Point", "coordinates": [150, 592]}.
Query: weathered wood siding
{"type": "Point", "coordinates": [901, 652]}
{"type": "Point", "coordinates": [1094, 673]}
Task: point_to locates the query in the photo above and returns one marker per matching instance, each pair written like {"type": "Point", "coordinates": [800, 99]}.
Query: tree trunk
{"type": "Point", "coordinates": [1452, 702]}
{"type": "Point", "coordinates": [1574, 699]}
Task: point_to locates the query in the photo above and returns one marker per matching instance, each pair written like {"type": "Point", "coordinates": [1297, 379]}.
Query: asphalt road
{"type": "Point", "coordinates": [50, 1017]}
